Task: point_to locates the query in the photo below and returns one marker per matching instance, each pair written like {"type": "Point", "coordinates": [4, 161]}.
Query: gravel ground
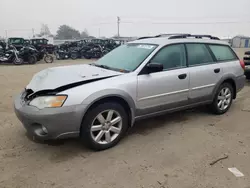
{"type": "Point", "coordinates": [171, 151]}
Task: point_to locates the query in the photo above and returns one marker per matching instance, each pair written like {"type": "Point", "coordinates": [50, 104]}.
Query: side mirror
{"type": "Point", "coordinates": [154, 67]}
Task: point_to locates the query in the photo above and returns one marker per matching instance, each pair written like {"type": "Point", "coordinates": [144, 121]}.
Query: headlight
{"type": "Point", "coordinates": [48, 101]}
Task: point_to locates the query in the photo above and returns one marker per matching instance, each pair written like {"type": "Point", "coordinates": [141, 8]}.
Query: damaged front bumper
{"type": "Point", "coordinates": [49, 123]}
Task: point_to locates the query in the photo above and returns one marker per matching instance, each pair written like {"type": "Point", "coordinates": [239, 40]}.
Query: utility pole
{"type": "Point", "coordinates": [99, 32]}
{"type": "Point", "coordinates": [33, 33]}
{"type": "Point", "coordinates": [118, 26]}
{"type": "Point", "coordinates": [6, 34]}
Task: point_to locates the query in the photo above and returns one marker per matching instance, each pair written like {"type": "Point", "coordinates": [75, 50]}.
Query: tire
{"type": "Point", "coordinates": [48, 59]}
{"type": "Point", "coordinates": [221, 99]}
{"type": "Point", "coordinates": [88, 134]}
{"type": "Point", "coordinates": [18, 62]}
{"type": "Point", "coordinates": [86, 56]}
{"type": "Point", "coordinates": [247, 74]}
{"type": "Point", "coordinates": [57, 56]}
{"type": "Point", "coordinates": [74, 55]}
{"type": "Point", "coordinates": [32, 59]}
{"type": "Point", "coordinates": [105, 52]}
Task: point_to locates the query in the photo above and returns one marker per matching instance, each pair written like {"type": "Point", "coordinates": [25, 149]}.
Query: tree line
{"type": "Point", "coordinates": [64, 32]}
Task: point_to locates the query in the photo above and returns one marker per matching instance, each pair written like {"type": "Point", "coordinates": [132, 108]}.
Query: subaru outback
{"type": "Point", "coordinates": [147, 77]}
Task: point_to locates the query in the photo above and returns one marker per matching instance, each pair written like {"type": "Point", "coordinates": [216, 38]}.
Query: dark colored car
{"type": "Point", "coordinates": [17, 42]}
{"type": "Point", "coordinates": [247, 63]}
{"type": "Point", "coordinates": [40, 44]}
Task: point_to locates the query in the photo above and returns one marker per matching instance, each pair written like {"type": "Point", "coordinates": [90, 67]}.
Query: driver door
{"type": "Point", "coordinates": [166, 89]}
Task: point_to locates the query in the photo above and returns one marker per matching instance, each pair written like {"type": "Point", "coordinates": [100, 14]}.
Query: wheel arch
{"type": "Point", "coordinates": [231, 79]}
{"type": "Point", "coordinates": [122, 98]}
{"type": "Point", "coordinates": [233, 84]}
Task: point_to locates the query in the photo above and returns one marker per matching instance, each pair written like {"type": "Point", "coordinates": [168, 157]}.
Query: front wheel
{"type": "Point", "coordinates": [58, 57]}
{"type": "Point", "coordinates": [32, 59]}
{"type": "Point", "coordinates": [18, 61]}
{"type": "Point", "coordinates": [104, 126]}
{"type": "Point", "coordinates": [223, 99]}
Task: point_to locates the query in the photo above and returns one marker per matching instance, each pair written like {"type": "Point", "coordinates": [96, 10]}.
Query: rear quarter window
{"type": "Point", "coordinates": [222, 52]}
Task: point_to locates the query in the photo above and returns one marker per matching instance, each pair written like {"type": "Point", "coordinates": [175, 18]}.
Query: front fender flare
{"type": "Point", "coordinates": [93, 98]}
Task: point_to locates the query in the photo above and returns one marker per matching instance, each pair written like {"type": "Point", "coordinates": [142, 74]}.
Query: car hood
{"type": "Point", "coordinates": [53, 78]}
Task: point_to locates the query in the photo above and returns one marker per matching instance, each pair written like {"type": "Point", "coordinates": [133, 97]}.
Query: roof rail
{"type": "Point", "coordinates": [194, 36]}
{"type": "Point", "coordinates": [147, 37]}
{"type": "Point", "coordinates": [180, 36]}
{"type": "Point", "coordinates": [170, 34]}
{"type": "Point", "coordinates": [162, 35]}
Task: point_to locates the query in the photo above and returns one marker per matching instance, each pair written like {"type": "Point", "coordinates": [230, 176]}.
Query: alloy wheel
{"type": "Point", "coordinates": [106, 127]}
{"type": "Point", "coordinates": [224, 98]}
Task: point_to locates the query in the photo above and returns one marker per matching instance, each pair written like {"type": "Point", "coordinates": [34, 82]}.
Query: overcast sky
{"type": "Point", "coordinates": [138, 17]}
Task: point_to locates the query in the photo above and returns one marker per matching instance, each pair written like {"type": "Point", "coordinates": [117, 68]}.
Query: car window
{"type": "Point", "coordinates": [222, 53]}
{"type": "Point", "coordinates": [171, 57]}
{"type": "Point", "coordinates": [198, 54]}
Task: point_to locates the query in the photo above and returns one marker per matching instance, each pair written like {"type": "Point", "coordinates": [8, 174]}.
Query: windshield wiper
{"type": "Point", "coordinates": [110, 68]}
{"type": "Point", "coordinates": [103, 66]}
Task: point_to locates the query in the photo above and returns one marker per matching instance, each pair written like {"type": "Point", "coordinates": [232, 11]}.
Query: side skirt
{"type": "Point", "coordinates": [169, 110]}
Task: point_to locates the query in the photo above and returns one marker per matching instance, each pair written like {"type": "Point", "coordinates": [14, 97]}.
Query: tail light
{"type": "Point", "coordinates": [242, 64]}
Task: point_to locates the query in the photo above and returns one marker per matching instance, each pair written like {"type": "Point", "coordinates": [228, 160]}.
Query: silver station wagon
{"type": "Point", "coordinates": [151, 76]}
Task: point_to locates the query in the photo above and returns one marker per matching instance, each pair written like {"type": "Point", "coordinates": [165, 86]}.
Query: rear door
{"type": "Point", "coordinates": [227, 59]}
{"type": "Point", "coordinates": [204, 72]}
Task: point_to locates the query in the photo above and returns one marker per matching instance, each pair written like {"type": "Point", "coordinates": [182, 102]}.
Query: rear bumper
{"type": "Point", "coordinates": [60, 122]}
{"type": "Point", "coordinates": [240, 82]}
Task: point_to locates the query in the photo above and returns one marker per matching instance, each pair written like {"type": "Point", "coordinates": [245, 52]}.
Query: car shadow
{"type": "Point", "coordinates": [61, 150]}
{"type": "Point", "coordinates": [146, 126]}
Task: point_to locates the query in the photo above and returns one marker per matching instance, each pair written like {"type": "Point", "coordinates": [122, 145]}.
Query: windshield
{"type": "Point", "coordinates": [39, 41]}
{"type": "Point", "coordinates": [127, 57]}
{"type": "Point", "coordinates": [16, 41]}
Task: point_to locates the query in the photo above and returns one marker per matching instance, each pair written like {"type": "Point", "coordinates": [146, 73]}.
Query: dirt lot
{"type": "Point", "coordinates": [172, 151]}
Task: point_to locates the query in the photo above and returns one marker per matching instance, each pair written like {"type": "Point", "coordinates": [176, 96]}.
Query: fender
{"type": "Point", "coordinates": [225, 77]}
{"type": "Point", "coordinates": [90, 100]}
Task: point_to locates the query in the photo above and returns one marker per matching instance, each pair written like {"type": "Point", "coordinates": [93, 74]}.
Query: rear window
{"type": "Point", "coordinates": [198, 54]}
{"type": "Point", "coordinates": [222, 53]}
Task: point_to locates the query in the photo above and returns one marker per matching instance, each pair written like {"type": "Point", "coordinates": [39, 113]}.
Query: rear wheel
{"type": "Point", "coordinates": [32, 59]}
{"type": "Point", "coordinates": [48, 59]}
{"type": "Point", "coordinates": [74, 55]}
{"type": "Point", "coordinates": [247, 74]}
{"type": "Point", "coordinates": [87, 56]}
{"type": "Point", "coordinates": [223, 99]}
{"type": "Point", "coordinates": [104, 125]}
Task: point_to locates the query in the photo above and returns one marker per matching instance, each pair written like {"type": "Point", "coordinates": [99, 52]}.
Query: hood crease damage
{"type": "Point", "coordinates": [30, 94]}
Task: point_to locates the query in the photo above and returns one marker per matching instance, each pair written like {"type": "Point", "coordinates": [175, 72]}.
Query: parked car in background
{"type": "Point", "coordinates": [17, 42]}
{"type": "Point", "coordinates": [247, 63]}
{"type": "Point", "coordinates": [98, 102]}
{"type": "Point", "coordinates": [41, 44]}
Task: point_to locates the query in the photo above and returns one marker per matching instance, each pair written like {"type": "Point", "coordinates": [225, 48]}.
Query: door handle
{"type": "Point", "coordinates": [182, 76]}
{"type": "Point", "coordinates": [217, 70]}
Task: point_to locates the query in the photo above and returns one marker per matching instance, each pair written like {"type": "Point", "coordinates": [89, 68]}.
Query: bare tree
{"type": "Point", "coordinates": [45, 30]}
{"type": "Point", "coordinates": [84, 33]}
